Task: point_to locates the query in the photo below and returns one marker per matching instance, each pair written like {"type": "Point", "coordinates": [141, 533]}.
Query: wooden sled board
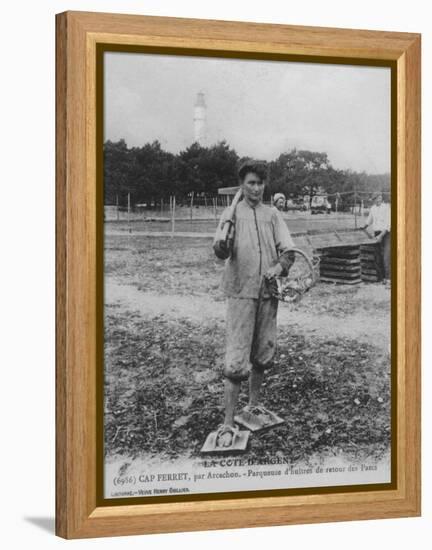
{"type": "Point", "coordinates": [252, 423]}
{"type": "Point", "coordinates": [239, 444]}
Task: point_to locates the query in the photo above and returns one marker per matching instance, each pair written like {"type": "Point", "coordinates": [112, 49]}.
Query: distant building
{"type": "Point", "coordinates": [200, 116]}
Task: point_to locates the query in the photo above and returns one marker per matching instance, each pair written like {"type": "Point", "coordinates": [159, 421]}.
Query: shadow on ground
{"type": "Point", "coordinates": [46, 524]}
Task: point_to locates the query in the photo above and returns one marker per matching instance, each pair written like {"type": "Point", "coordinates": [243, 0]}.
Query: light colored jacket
{"type": "Point", "coordinates": [379, 217]}
{"type": "Point", "coordinates": [261, 236]}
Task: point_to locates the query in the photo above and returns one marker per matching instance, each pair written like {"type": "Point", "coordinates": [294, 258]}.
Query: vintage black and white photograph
{"type": "Point", "coordinates": [247, 275]}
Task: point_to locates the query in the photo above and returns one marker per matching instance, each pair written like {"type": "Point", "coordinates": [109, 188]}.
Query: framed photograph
{"type": "Point", "coordinates": [238, 274]}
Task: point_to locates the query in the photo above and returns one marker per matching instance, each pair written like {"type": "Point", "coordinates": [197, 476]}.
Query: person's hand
{"type": "Point", "coordinates": [286, 260]}
{"type": "Point", "coordinates": [381, 236]}
{"type": "Point", "coordinates": [273, 271]}
{"type": "Point", "coordinates": [221, 249]}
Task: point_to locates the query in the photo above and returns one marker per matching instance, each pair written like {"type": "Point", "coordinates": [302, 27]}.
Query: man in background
{"type": "Point", "coordinates": [279, 201]}
{"type": "Point", "coordinates": [379, 221]}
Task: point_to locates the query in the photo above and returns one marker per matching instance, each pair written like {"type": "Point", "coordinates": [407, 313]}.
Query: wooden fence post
{"type": "Point", "coordinates": [128, 213]}
{"type": "Point", "coordinates": [214, 208]}
{"type": "Point", "coordinates": [173, 205]}
{"type": "Point", "coordinates": [191, 204]}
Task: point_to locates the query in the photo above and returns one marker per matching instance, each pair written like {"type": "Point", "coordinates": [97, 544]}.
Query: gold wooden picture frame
{"type": "Point", "coordinates": [82, 37]}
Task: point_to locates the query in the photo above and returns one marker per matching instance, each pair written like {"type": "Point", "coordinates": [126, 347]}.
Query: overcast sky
{"type": "Point", "coordinates": [261, 108]}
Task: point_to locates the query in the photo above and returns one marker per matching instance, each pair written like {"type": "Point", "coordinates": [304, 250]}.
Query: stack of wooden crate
{"type": "Point", "coordinates": [346, 256]}
{"type": "Point", "coordinates": [370, 261]}
{"type": "Point", "coordinates": [340, 264]}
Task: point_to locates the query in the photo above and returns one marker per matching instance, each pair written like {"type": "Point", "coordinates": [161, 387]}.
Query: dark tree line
{"type": "Point", "coordinates": [299, 173]}
{"type": "Point", "coordinates": [151, 174]}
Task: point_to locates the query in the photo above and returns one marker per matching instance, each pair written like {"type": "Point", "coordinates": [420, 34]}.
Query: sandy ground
{"type": "Point", "coordinates": [198, 308]}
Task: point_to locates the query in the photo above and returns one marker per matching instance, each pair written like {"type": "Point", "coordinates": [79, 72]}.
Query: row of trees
{"type": "Point", "coordinates": [151, 174]}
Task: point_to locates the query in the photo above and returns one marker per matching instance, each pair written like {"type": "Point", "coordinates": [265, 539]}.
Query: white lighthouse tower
{"type": "Point", "coordinates": [200, 119]}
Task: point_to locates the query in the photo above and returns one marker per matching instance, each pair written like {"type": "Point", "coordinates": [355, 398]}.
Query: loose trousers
{"type": "Point", "coordinates": [250, 336]}
{"type": "Point", "coordinates": [385, 255]}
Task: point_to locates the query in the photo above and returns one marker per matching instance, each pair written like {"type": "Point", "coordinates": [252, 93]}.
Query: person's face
{"type": "Point", "coordinates": [253, 188]}
{"type": "Point", "coordinates": [378, 200]}
{"type": "Point", "coordinates": [279, 204]}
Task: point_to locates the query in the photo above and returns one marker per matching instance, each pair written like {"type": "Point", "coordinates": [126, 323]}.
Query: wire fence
{"type": "Point", "coordinates": [200, 216]}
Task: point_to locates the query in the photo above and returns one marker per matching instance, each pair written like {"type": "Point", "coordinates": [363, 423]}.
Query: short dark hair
{"type": "Point", "coordinates": [257, 167]}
